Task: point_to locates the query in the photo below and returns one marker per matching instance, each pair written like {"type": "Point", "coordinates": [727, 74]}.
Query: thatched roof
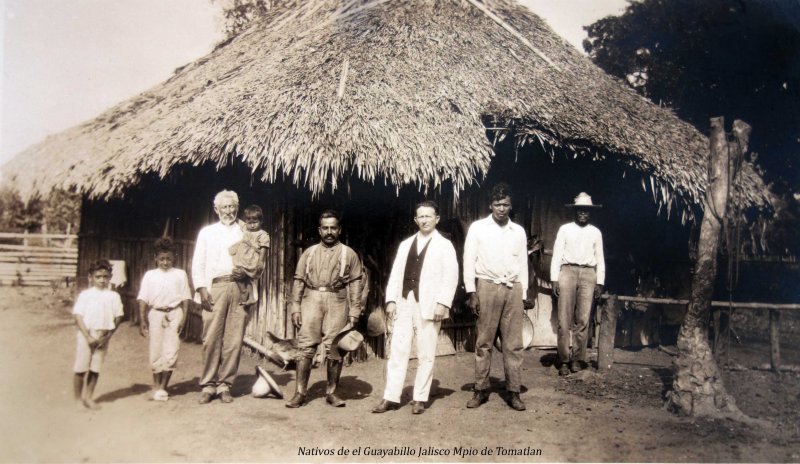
{"type": "Point", "coordinates": [369, 88]}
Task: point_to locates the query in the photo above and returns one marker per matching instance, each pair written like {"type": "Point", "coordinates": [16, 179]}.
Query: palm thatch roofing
{"type": "Point", "coordinates": [371, 88]}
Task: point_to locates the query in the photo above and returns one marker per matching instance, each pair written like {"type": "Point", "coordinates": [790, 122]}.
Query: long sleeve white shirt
{"type": "Point", "coordinates": [582, 246]}
{"type": "Point", "coordinates": [212, 257]}
{"type": "Point", "coordinates": [495, 253]}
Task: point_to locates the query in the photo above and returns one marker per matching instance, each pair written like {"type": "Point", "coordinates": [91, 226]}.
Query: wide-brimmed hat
{"type": "Point", "coordinates": [376, 322]}
{"type": "Point", "coordinates": [265, 384]}
{"type": "Point", "coordinates": [527, 334]}
{"type": "Point", "coordinates": [348, 339]}
{"type": "Point", "coordinates": [583, 200]}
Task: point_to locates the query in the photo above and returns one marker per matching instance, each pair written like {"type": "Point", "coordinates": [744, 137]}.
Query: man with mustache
{"type": "Point", "coordinates": [224, 319]}
{"type": "Point", "coordinates": [496, 278]}
{"type": "Point", "coordinates": [326, 295]}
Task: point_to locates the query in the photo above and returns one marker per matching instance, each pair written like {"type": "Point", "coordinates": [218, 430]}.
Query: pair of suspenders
{"type": "Point", "coordinates": [342, 257]}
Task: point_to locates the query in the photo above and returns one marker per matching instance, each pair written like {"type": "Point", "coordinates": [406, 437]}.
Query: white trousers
{"type": "Point", "coordinates": [408, 322]}
{"type": "Point", "coordinates": [165, 341]}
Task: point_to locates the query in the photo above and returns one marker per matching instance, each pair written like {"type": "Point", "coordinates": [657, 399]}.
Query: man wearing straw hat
{"type": "Point", "coordinates": [496, 279]}
{"type": "Point", "coordinates": [224, 319]}
{"type": "Point", "coordinates": [578, 271]}
{"type": "Point", "coordinates": [327, 282]}
{"type": "Point", "coordinates": [419, 294]}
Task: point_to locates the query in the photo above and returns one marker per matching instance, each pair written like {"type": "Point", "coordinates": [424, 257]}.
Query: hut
{"type": "Point", "coordinates": [366, 106]}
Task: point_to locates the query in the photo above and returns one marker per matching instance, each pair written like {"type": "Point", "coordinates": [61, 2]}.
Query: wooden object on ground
{"type": "Point", "coordinates": [608, 328]}
{"type": "Point", "coordinates": [775, 339]}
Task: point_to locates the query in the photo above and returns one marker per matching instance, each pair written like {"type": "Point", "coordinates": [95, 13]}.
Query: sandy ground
{"type": "Point", "coordinates": [587, 417]}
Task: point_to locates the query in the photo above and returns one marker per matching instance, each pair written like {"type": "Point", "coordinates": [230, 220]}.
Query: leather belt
{"type": "Point", "coordinates": [221, 279]}
{"type": "Point", "coordinates": [580, 265]}
{"type": "Point", "coordinates": [326, 289]}
{"type": "Point", "coordinates": [166, 309]}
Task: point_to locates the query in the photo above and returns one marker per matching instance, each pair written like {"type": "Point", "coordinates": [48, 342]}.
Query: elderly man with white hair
{"type": "Point", "coordinates": [224, 319]}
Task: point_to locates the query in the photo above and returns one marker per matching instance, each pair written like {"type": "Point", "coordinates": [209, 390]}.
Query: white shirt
{"type": "Point", "coordinates": [422, 241]}
{"type": "Point", "coordinates": [164, 289]}
{"type": "Point", "coordinates": [98, 308]}
{"type": "Point", "coordinates": [211, 256]}
{"type": "Point", "coordinates": [578, 245]}
{"type": "Point", "coordinates": [495, 253]}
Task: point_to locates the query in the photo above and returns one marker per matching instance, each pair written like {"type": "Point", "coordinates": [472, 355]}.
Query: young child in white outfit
{"type": "Point", "coordinates": [165, 292]}
{"type": "Point", "coordinates": [98, 313]}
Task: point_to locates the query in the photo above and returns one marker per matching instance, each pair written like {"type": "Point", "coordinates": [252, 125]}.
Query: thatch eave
{"type": "Point", "coordinates": [397, 90]}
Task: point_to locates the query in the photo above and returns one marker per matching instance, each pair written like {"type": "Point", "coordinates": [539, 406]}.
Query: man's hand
{"type": "Point", "coordinates": [440, 313]}
{"type": "Point", "coordinates": [205, 299]}
{"type": "Point", "coordinates": [527, 304]}
{"type": "Point", "coordinates": [598, 290]}
{"type": "Point", "coordinates": [297, 320]}
{"type": "Point", "coordinates": [93, 342]}
{"type": "Point", "coordinates": [238, 273]}
{"type": "Point", "coordinates": [474, 304]}
{"type": "Point", "coordinates": [144, 327]}
{"type": "Point", "coordinates": [391, 310]}
{"type": "Point", "coordinates": [556, 290]}
{"type": "Point", "coordinates": [353, 320]}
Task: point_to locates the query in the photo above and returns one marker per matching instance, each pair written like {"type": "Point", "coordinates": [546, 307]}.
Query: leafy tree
{"type": "Point", "coordinates": [58, 210]}
{"type": "Point", "coordinates": [732, 58]}
{"type": "Point", "coordinates": [240, 13]}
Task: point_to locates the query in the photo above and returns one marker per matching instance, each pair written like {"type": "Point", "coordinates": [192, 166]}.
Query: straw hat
{"type": "Point", "coordinates": [376, 322]}
{"type": "Point", "coordinates": [265, 384]}
{"type": "Point", "coordinates": [583, 200]}
{"type": "Point", "coordinates": [348, 339]}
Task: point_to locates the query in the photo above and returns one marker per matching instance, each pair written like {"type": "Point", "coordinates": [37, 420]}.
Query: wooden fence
{"type": "Point", "coordinates": [38, 259]}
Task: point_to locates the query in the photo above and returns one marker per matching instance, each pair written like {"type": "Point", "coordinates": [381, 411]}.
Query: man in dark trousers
{"type": "Point", "coordinates": [327, 282]}
{"type": "Point", "coordinates": [496, 280]}
{"type": "Point", "coordinates": [578, 271]}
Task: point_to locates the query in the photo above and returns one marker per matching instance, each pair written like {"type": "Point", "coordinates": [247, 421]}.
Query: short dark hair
{"type": "Point", "coordinates": [253, 211]}
{"type": "Point", "coordinates": [500, 191]}
{"type": "Point", "coordinates": [100, 264]}
{"type": "Point", "coordinates": [329, 213]}
{"type": "Point", "coordinates": [427, 204]}
{"type": "Point", "coordinates": [164, 245]}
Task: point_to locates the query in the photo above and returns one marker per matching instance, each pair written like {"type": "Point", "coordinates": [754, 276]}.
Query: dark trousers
{"type": "Point", "coordinates": [501, 308]}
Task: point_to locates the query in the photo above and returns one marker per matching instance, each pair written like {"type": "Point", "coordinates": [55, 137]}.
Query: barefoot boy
{"type": "Point", "coordinates": [165, 291]}
{"type": "Point", "coordinates": [97, 312]}
{"type": "Point", "coordinates": [249, 254]}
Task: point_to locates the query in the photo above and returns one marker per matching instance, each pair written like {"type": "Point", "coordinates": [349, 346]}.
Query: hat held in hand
{"type": "Point", "coordinates": [376, 322]}
{"type": "Point", "coordinates": [348, 339]}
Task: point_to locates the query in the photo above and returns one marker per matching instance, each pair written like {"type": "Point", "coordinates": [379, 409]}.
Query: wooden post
{"type": "Point", "coordinates": [775, 339]}
{"type": "Point", "coordinates": [608, 328]}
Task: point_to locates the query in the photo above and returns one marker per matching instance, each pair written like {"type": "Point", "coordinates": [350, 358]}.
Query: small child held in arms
{"type": "Point", "coordinates": [98, 313]}
{"type": "Point", "coordinates": [165, 292]}
{"type": "Point", "coordinates": [249, 255]}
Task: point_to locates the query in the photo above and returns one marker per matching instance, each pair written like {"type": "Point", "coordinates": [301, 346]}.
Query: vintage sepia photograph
{"type": "Point", "coordinates": [400, 231]}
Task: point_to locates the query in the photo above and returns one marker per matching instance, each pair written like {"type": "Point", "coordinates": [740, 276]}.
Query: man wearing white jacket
{"type": "Point", "coordinates": [421, 288]}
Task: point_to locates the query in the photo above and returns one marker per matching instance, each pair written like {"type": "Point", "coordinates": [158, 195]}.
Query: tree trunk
{"type": "Point", "coordinates": [697, 388]}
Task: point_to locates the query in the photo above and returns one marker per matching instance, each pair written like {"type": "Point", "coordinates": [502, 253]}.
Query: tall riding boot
{"type": "Point", "coordinates": [303, 373]}
{"type": "Point", "coordinates": [334, 372]}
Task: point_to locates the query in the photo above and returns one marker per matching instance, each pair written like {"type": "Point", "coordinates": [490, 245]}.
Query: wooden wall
{"type": "Point", "coordinates": [375, 218]}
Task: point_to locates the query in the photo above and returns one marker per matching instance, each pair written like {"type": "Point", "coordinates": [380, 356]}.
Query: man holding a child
{"type": "Point", "coordinates": [224, 318]}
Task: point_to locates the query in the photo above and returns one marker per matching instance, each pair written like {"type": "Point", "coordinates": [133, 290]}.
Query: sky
{"type": "Point", "coordinates": [65, 61]}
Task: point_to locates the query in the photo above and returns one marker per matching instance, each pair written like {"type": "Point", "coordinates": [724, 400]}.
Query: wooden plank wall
{"type": "Point", "coordinates": [38, 259]}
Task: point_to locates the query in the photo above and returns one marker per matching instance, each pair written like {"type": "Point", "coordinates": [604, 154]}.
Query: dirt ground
{"type": "Point", "coordinates": [586, 417]}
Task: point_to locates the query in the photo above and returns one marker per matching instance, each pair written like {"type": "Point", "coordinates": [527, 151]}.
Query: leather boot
{"type": "Point", "coordinates": [303, 373]}
{"type": "Point", "coordinates": [334, 372]}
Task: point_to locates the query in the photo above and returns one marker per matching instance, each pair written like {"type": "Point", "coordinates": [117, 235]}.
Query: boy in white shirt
{"type": "Point", "coordinates": [97, 312]}
{"type": "Point", "coordinates": [165, 292]}
{"type": "Point", "coordinates": [578, 272]}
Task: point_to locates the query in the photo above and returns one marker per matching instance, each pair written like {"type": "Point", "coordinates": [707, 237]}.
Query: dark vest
{"type": "Point", "coordinates": [414, 269]}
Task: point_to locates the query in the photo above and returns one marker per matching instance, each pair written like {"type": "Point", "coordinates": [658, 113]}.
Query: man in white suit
{"type": "Point", "coordinates": [419, 294]}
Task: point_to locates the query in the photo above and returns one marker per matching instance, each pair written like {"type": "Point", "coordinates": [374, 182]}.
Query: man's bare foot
{"type": "Point", "coordinates": [89, 403]}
